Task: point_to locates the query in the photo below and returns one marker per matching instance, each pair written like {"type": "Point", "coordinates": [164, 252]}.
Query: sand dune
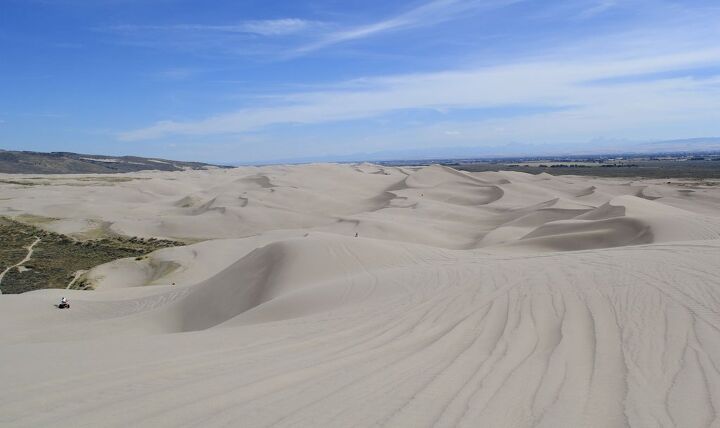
{"type": "Point", "coordinates": [489, 299]}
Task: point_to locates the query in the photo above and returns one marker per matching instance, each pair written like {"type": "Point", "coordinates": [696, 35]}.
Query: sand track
{"type": "Point", "coordinates": [492, 299]}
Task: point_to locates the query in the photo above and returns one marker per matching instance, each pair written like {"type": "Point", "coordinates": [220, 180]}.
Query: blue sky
{"type": "Point", "coordinates": [246, 81]}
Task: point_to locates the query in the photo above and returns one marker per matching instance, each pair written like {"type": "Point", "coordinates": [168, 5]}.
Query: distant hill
{"type": "Point", "coordinates": [22, 162]}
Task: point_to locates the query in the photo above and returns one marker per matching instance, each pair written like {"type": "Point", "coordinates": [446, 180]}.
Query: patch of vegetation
{"type": "Point", "coordinates": [57, 257]}
{"type": "Point", "coordinates": [31, 219]}
{"type": "Point", "coordinates": [111, 179]}
{"type": "Point", "coordinates": [20, 183]}
{"type": "Point", "coordinates": [14, 243]}
{"type": "Point", "coordinates": [638, 168]}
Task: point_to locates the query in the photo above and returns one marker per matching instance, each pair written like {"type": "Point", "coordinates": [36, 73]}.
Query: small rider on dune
{"type": "Point", "coordinates": [64, 303]}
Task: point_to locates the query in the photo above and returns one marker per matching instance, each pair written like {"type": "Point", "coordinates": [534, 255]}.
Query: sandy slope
{"type": "Point", "coordinates": [491, 299]}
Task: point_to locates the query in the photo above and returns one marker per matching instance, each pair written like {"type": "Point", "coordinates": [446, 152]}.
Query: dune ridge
{"type": "Point", "coordinates": [365, 295]}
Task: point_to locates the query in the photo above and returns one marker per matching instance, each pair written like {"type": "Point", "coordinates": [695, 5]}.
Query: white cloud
{"type": "Point", "coordinates": [269, 27]}
{"type": "Point", "coordinates": [561, 84]}
{"type": "Point", "coordinates": [179, 73]}
{"type": "Point", "coordinates": [275, 27]}
{"type": "Point", "coordinates": [429, 13]}
{"type": "Point", "coordinates": [598, 7]}
{"type": "Point", "coordinates": [311, 35]}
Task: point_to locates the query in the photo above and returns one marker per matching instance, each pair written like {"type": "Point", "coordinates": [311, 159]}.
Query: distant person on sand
{"type": "Point", "coordinates": [64, 304]}
{"type": "Point", "coordinates": [356, 234]}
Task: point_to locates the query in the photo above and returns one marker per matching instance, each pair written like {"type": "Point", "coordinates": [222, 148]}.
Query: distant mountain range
{"type": "Point", "coordinates": [598, 147]}
{"type": "Point", "coordinates": [22, 162]}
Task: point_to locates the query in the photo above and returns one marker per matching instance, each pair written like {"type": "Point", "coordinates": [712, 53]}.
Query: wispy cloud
{"type": "Point", "coordinates": [308, 35]}
{"type": "Point", "coordinates": [270, 27]}
{"type": "Point", "coordinates": [556, 84]}
{"type": "Point", "coordinates": [639, 81]}
{"type": "Point", "coordinates": [598, 7]}
{"type": "Point", "coordinates": [275, 27]}
{"type": "Point", "coordinates": [177, 73]}
{"type": "Point", "coordinates": [430, 13]}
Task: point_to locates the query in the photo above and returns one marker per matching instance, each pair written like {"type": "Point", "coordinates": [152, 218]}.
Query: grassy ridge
{"type": "Point", "coordinates": [57, 257]}
{"type": "Point", "coordinates": [25, 162]}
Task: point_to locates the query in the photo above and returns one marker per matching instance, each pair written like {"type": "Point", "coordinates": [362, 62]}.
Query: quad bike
{"type": "Point", "coordinates": [64, 305]}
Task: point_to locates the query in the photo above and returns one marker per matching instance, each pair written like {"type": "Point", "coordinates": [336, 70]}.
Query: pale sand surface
{"type": "Point", "coordinates": [489, 299]}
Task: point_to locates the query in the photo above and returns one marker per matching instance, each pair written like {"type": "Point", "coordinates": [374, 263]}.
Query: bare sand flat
{"type": "Point", "coordinates": [488, 299]}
